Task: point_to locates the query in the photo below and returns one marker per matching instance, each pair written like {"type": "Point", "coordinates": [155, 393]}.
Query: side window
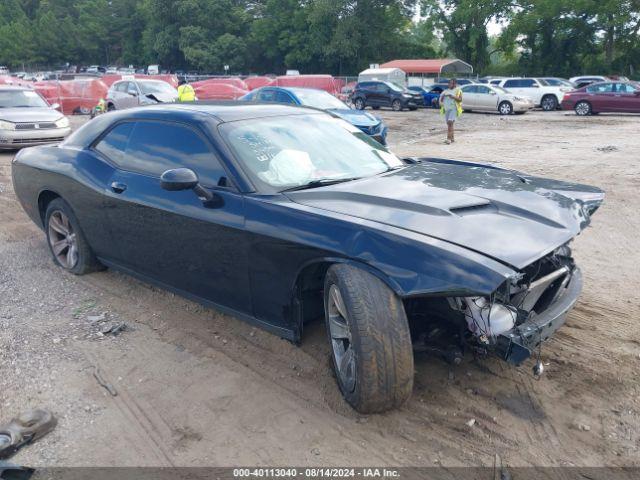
{"type": "Point", "coordinates": [121, 87]}
{"type": "Point", "coordinates": [470, 89]}
{"type": "Point", "coordinates": [624, 88]}
{"type": "Point", "coordinates": [495, 82]}
{"type": "Point", "coordinates": [114, 144]}
{"type": "Point", "coordinates": [511, 84]}
{"type": "Point", "coordinates": [282, 97]}
{"type": "Point", "coordinates": [132, 88]}
{"type": "Point", "coordinates": [527, 83]}
{"type": "Point", "coordinates": [267, 96]}
{"type": "Point", "coordinates": [600, 88]}
{"type": "Point", "coordinates": [483, 89]}
{"type": "Point", "coordinates": [155, 147]}
{"type": "Point", "coordinates": [382, 88]}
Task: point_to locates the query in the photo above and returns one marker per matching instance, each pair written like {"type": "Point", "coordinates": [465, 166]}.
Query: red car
{"type": "Point", "coordinates": [621, 97]}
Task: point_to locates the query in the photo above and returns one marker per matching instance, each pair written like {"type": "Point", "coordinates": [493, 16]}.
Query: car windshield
{"type": "Point", "coordinates": [544, 82]}
{"type": "Point", "coordinates": [293, 151]}
{"type": "Point", "coordinates": [156, 87]}
{"type": "Point", "coordinates": [21, 98]}
{"type": "Point", "coordinates": [319, 99]}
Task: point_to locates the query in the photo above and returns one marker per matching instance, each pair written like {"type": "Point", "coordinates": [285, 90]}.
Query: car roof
{"type": "Point", "coordinates": [217, 111]}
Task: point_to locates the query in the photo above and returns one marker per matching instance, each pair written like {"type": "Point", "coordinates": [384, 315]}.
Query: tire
{"type": "Point", "coordinates": [377, 374]}
{"type": "Point", "coordinates": [505, 108]}
{"type": "Point", "coordinates": [396, 105]}
{"type": "Point", "coordinates": [549, 103]}
{"type": "Point", "coordinates": [583, 108]}
{"type": "Point", "coordinates": [413, 109]}
{"type": "Point", "coordinates": [63, 231]}
{"type": "Point", "coordinates": [359, 104]}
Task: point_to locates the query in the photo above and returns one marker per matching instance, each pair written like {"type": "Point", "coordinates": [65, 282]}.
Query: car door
{"type": "Point", "coordinates": [469, 97]}
{"type": "Point", "coordinates": [172, 237]}
{"type": "Point", "coordinates": [601, 97]}
{"type": "Point", "coordinates": [487, 98]}
{"type": "Point", "coordinates": [128, 96]}
{"type": "Point", "coordinates": [373, 93]}
{"type": "Point", "coordinates": [627, 98]}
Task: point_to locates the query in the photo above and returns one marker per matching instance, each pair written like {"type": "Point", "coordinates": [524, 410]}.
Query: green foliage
{"type": "Point", "coordinates": [550, 37]}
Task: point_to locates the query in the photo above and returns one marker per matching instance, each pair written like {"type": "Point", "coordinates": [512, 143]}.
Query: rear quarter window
{"type": "Point", "coordinates": [114, 144]}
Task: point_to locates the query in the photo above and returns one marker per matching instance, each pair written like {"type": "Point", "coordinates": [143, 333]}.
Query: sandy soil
{"type": "Point", "coordinates": [197, 388]}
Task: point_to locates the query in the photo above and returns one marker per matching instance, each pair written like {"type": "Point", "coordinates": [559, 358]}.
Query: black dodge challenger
{"type": "Point", "coordinates": [280, 215]}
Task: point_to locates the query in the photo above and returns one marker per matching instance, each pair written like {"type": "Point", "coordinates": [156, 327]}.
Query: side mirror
{"type": "Point", "coordinates": [178, 179]}
{"type": "Point", "coordinates": [133, 93]}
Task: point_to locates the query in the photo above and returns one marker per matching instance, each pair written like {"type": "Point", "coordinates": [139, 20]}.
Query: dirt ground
{"type": "Point", "coordinates": [197, 388]}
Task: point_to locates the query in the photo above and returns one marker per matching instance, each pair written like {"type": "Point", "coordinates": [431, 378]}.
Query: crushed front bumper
{"type": "Point", "coordinates": [518, 344]}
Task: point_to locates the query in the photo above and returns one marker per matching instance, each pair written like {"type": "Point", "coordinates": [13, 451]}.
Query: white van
{"type": "Point", "coordinates": [153, 70]}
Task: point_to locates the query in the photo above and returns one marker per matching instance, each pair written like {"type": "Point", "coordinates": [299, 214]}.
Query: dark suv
{"type": "Point", "coordinates": [384, 94]}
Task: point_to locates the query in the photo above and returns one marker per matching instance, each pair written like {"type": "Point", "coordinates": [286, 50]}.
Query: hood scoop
{"type": "Point", "coordinates": [465, 210]}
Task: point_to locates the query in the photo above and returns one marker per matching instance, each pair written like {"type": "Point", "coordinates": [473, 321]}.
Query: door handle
{"type": "Point", "coordinates": [118, 187]}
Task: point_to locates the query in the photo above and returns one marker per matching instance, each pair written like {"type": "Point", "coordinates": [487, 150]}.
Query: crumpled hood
{"type": "Point", "coordinates": [510, 217]}
{"type": "Point", "coordinates": [357, 118]}
{"type": "Point", "coordinates": [29, 114]}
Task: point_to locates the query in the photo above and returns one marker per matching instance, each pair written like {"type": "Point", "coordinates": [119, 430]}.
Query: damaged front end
{"type": "Point", "coordinates": [512, 322]}
{"type": "Point", "coordinates": [525, 310]}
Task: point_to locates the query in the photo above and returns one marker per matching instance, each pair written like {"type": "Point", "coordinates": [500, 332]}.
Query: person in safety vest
{"type": "Point", "coordinates": [186, 93]}
{"type": "Point", "coordinates": [101, 107]}
{"type": "Point", "coordinates": [451, 107]}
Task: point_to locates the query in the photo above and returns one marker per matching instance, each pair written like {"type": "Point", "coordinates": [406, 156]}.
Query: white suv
{"type": "Point", "coordinates": [542, 94]}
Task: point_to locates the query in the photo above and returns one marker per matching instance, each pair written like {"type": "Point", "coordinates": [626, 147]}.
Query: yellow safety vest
{"type": "Point", "coordinates": [458, 93]}
{"type": "Point", "coordinates": [186, 93]}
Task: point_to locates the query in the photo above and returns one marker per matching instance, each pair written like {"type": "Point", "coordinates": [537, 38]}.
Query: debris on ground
{"type": "Point", "coordinates": [25, 428]}
{"type": "Point", "coordinates": [104, 324]}
{"type": "Point", "coordinates": [110, 388]}
{"type": "Point", "coordinates": [471, 422]}
{"type": "Point", "coordinates": [607, 149]}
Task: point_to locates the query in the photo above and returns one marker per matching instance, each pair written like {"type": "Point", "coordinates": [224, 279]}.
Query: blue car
{"type": "Point", "coordinates": [430, 94]}
{"type": "Point", "coordinates": [311, 97]}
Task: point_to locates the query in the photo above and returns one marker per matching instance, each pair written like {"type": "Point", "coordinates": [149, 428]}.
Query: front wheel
{"type": "Point", "coordinates": [396, 105]}
{"type": "Point", "coordinates": [583, 108]}
{"type": "Point", "coordinates": [549, 103]}
{"type": "Point", "coordinates": [359, 104]}
{"type": "Point", "coordinates": [370, 340]}
{"type": "Point", "coordinates": [505, 108]}
{"type": "Point", "coordinates": [66, 241]}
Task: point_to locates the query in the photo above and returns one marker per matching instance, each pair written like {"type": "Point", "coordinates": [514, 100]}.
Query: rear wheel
{"type": "Point", "coordinates": [396, 105]}
{"type": "Point", "coordinates": [583, 108]}
{"type": "Point", "coordinates": [370, 340]}
{"type": "Point", "coordinates": [505, 108]}
{"type": "Point", "coordinates": [549, 103]}
{"type": "Point", "coordinates": [67, 243]}
{"type": "Point", "coordinates": [359, 104]}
